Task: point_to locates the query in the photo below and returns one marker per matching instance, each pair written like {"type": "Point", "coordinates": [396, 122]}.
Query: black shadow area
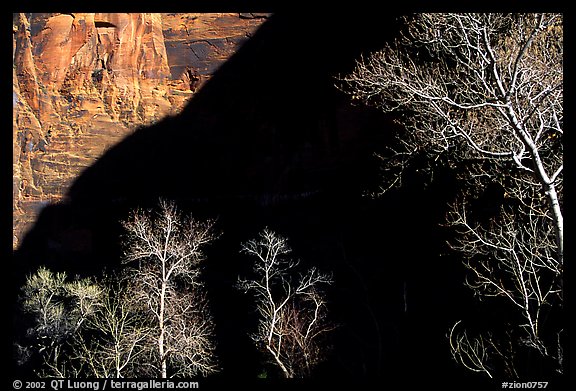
{"type": "Point", "coordinates": [269, 141]}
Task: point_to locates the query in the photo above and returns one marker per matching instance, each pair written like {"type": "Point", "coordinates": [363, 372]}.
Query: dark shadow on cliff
{"type": "Point", "coordinates": [269, 141]}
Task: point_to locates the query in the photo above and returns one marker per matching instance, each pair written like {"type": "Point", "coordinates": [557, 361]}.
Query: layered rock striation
{"type": "Point", "coordinates": [83, 81]}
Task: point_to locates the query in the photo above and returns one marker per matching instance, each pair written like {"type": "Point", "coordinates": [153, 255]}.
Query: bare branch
{"type": "Point", "coordinates": [472, 353]}
{"type": "Point", "coordinates": [291, 311]}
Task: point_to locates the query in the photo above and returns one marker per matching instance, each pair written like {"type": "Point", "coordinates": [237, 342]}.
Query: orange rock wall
{"type": "Point", "coordinates": [83, 81]}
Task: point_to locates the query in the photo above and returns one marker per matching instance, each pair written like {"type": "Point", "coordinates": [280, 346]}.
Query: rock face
{"type": "Point", "coordinates": [83, 81]}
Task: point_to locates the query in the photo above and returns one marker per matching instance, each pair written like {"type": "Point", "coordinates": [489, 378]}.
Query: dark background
{"type": "Point", "coordinates": [270, 142]}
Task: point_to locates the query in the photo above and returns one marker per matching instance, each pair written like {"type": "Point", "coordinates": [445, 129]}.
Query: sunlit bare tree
{"type": "Point", "coordinates": [58, 309]}
{"type": "Point", "coordinates": [290, 306]}
{"type": "Point", "coordinates": [167, 250]}
{"type": "Point", "coordinates": [483, 94]}
{"type": "Point", "coordinates": [115, 338]}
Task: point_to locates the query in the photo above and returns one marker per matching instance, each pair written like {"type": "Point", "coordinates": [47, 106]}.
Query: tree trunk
{"type": "Point", "coordinates": [543, 177]}
{"type": "Point", "coordinates": [558, 221]}
{"type": "Point", "coordinates": [287, 373]}
{"type": "Point", "coordinates": [161, 326]}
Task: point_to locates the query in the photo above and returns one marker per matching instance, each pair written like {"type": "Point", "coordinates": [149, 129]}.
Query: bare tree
{"type": "Point", "coordinates": [115, 338]}
{"type": "Point", "coordinates": [58, 309]}
{"type": "Point", "coordinates": [167, 249]}
{"type": "Point", "coordinates": [291, 309]}
{"type": "Point", "coordinates": [483, 93]}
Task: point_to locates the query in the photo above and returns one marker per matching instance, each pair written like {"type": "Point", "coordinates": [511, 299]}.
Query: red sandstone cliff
{"type": "Point", "coordinates": [83, 81]}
